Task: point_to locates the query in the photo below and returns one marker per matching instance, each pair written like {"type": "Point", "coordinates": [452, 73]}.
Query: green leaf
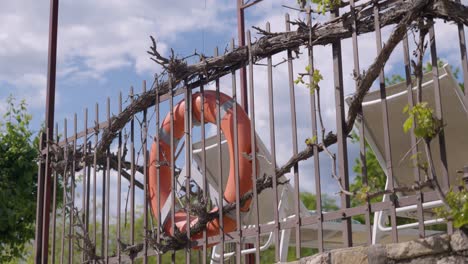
{"type": "Point", "coordinates": [311, 141]}
{"type": "Point", "coordinates": [405, 109]}
{"type": "Point", "coordinates": [408, 124]}
{"type": "Point", "coordinates": [421, 118]}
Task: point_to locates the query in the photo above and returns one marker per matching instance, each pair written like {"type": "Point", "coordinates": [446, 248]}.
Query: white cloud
{"type": "Point", "coordinates": [96, 37]}
{"type": "Point", "coordinates": [32, 88]}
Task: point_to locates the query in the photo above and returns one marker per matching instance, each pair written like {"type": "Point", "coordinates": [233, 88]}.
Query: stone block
{"type": "Point", "coordinates": [350, 255]}
{"type": "Point", "coordinates": [459, 241]}
{"type": "Point", "coordinates": [420, 247]}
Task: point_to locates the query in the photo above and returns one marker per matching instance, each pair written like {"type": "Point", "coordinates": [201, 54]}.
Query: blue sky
{"type": "Point", "coordinates": [102, 50]}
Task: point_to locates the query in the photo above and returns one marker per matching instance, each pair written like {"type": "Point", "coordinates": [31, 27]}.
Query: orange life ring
{"type": "Point", "coordinates": [227, 127]}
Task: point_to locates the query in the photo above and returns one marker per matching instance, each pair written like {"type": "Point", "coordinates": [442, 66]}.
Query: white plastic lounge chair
{"type": "Point", "coordinates": [456, 131]}
{"type": "Point", "coordinates": [332, 230]}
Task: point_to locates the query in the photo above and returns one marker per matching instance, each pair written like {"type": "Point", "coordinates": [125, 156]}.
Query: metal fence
{"type": "Point", "coordinates": [100, 206]}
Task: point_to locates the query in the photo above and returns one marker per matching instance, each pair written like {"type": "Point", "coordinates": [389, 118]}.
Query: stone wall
{"type": "Point", "coordinates": [437, 249]}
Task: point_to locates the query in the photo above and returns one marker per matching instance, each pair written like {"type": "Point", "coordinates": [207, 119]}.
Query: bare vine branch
{"type": "Point", "coordinates": [326, 33]}
{"type": "Point", "coordinates": [403, 13]}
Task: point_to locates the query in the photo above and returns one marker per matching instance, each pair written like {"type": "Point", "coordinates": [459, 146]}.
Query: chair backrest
{"type": "Point", "coordinates": [266, 209]}
{"type": "Point", "coordinates": [455, 115]}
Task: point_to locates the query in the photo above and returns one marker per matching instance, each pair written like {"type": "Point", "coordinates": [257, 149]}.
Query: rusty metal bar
{"type": "Point", "coordinates": [253, 139]}
{"type": "Point", "coordinates": [83, 194]}
{"type": "Point", "coordinates": [340, 127]}
{"type": "Point", "coordinates": [54, 204]}
{"type": "Point", "coordinates": [220, 167]}
{"type": "Point", "coordinates": [362, 139]}
{"type": "Point", "coordinates": [107, 193]}
{"type": "Point", "coordinates": [236, 166]}
{"type": "Point", "coordinates": [188, 164]}
{"type": "Point", "coordinates": [65, 198]}
{"type": "Point", "coordinates": [388, 150]}
{"type": "Point", "coordinates": [41, 249]}
{"type": "Point", "coordinates": [313, 112]}
{"type": "Point", "coordinates": [173, 178]}
{"type": "Point", "coordinates": [71, 230]}
{"type": "Point", "coordinates": [203, 165]}
{"type": "Point", "coordinates": [132, 172]}
{"type": "Point", "coordinates": [158, 198]}
{"type": "Point", "coordinates": [273, 150]}
{"type": "Point", "coordinates": [86, 181]}
{"type": "Point", "coordinates": [40, 203]}
{"type": "Point", "coordinates": [119, 184]}
{"type": "Point", "coordinates": [145, 181]}
{"type": "Point", "coordinates": [241, 36]}
{"type": "Point", "coordinates": [96, 139]}
{"type": "Point", "coordinates": [47, 196]}
{"type": "Point", "coordinates": [103, 214]}
{"type": "Point", "coordinates": [439, 115]}
{"type": "Point", "coordinates": [292, 104]}
{"type": "Point", "coordinates": [103, 220]}
{"type": "Point", "coordinates": [415, 149]}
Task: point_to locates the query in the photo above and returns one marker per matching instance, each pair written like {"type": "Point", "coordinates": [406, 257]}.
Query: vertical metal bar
{"type": "Point", "coordinates": [205, 185]}
{"type": "Point", "coordinates": [40, 203]}
{"type": "Point", "coordinates": [65, 196]}
{"type": "Point", "coordinates": [273, 150]}
{"type": "Point", "coordinates": [83, 192]}
{"type": "Point", "coordinates": [145, 181]}
{"type": "Point", "coordinates": [254, 148]}
{"type": "Point", "coordinates": [41, 249]}
{"type": "Point", "coordinates": [103, 213]}
{"type": "Point", "coordinates": [188, 163]}
{"type": "Point", "coordinates": [439, 115]}
{"type": "Point", "coordinates": [464, 59]}
{"type": "Point", "coordinates": [96, 138]}
{"type": "Point", "coordinates": [362, 139]}
{"type": "Point", "coordinates": [54, 203]}
{"type": "Point", "coordinates": [87, 149]}
{"type": "Point", "coordinates": [86, 180]}
{"type": "Point", "coordinates": [132, 172]}
{"type": "Point", "coordinates": [173, 179]}
{"type": "Point", "coordinates": [220, 167]}
{"type": "Point", "coordinates": [341, 131]}
{"type": "Point", "coordinates": [388, 150]}
{"type": "Point", "coordinates": [292, 104]}
{"type": "Point", "coordinates": [119, 184]}
{"type": "Point", "coordinates": [236, 166]}
{"type": "Point", "coordinates": [156, 139]}
{"type": "Point", "coordinates": [313, 111]}
{"type": "Point", "coordinates": [415, 148]}
{"type": "Point", "coordinates": [241, 36]}
{"type": "Point", "coordinates": [46, 207]}
{"type": "Point", "coordinates": [72, 192]}
{"type": "Point", "coordinates": [107, 188]}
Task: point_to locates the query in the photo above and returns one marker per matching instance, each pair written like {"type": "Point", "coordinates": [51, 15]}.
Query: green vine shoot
{"type": "Point", "coordinates": [422, 120]}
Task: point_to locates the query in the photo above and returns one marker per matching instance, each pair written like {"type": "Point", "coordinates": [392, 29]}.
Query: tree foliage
{"type": "Point", "coordinates": [18, 177]}
{"type": "Point", "coordinates": [458, 207]}
{"type": "Point", "coordinates": [421, 118]}
{"type": "Point", "coordinates": [310, 202]}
